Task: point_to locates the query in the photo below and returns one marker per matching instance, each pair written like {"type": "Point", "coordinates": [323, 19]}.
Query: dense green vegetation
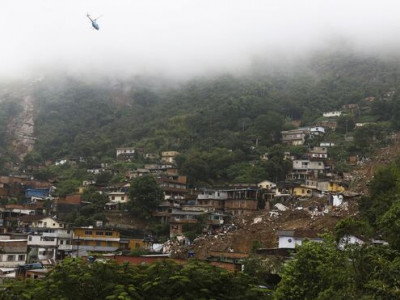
{"type": "Point", "coordinates": [322, 271]}
{"type": "Point", "coordinates": [219, 124]}
{"type": "Point", "coordinates": [76, 279]}
{"type": "Point", "coordinates": [145, 195]}
{"type": "Point", "coordinates": [381, 208]}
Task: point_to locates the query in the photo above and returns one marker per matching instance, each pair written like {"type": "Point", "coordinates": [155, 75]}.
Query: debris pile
{"type": "Point", "coordinates": [260, 228]}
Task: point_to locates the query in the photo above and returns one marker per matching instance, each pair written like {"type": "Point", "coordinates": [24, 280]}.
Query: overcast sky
{"type": "Point", "coordinates": [182, 36]}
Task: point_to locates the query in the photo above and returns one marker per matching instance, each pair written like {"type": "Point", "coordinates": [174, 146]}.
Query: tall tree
{"type": "Point", "coordinates": [145, 194]}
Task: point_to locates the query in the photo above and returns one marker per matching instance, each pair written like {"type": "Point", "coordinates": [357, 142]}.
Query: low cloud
{"type": "Point", "coordinates": [182, 38]}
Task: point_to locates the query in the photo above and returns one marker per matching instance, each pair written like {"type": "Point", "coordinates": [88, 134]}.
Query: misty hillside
{"type": "Point", "coordinates": [76, 117]}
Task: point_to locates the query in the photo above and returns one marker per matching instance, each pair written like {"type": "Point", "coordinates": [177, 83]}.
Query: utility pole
{"type": "Point", "coordinates": [77, 248]}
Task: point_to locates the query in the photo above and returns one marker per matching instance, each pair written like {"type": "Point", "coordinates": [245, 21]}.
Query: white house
{"type": "Point", "coordinates": [305, 164]}
{"type": "Point", "coordinates": [317, 130]}
{"type": "Point", "coordinates": [331, 114]}
{"type": "Point", "coordinates": [51, 243]}
{"type": "Point", "coordinates": [288, 239]}
{"type": "Point", "coordinates": [125, 153]}
{"type": "Point", "coordinates": [326, 144]}
{"type": "Point", "coordinates": [266, 184]}
{"type": "Point", "coordinates": [47, 222]}
{"type": "Point", "coordinates": [349, 240]}
{"type": "Point", "coordinates": [118, 197]}
{"type": "Point", "coordinates": [295, 137]}
{"type": "Point", "coordinates": [212, 194]}
{"type": "Point", "coordinates": [95, 171]}
{"type": "Point", "coordinates": [13, 252]}
{"type": "Point", "coordinates": [318, 152]}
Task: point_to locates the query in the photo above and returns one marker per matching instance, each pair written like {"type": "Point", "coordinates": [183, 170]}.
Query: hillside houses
{"type": "Point", "coordinates": [169, 156]}
{"type": "Point", "coordinates": [330, 124]}
{"type": "Point", "coordinates": [298, 137]}
{"type": "Point", "coordinates": [313, 172]}
{"type": "Point", "coordinates": [125, 154]}
{"type": "Point", "coordinates": [13, 251]}
{"type": "Point", "coordinates": [49, 239]}
{"type": "Point", "coordinates": [332, 114]}
{"type": "Point", "coordinates": [289, 239]}
{"type": "Point", "coordinates": [295, 137]}
{"type": "Point", "coordinates": [318, 153]}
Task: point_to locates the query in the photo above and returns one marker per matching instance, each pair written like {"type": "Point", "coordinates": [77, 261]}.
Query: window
{"type": "Point", "coordinates": [99, 232]}
{"type": "Point", "coordinates": [10, 257]}
{"type": "Point", "coordinates": [67, 242]}
{"type": "Point", "coordinates": [88, 232]}
{"type": "Point", "coordinates": [61, 242]}
{"type": "Point", "coordinates": [30, 238]}
{"type": "Point", "coordinates": [109, 244]}
{"type": "Point", "coordinates": [109, 233]}
{"type": "Point", "coordinates": [21, 257]}
{"type": "Point", "coordinates": [98, 243]}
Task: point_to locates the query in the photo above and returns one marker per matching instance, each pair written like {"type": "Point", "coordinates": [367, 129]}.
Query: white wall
{"type": "Point", "coordinates": [288, 242]}
{"type": "Point", "coordinates": [17, 259]}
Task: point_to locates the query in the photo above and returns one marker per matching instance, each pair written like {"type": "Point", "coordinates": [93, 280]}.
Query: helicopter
{"type": "Point", "coordinates": [94, 23]}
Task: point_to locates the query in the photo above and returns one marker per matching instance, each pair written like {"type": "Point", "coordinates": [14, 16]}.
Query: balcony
{"type": "Point", "coordinates": [221, 196]}
{"type": "Point", "coordinates": [183, 221]}
{"type": "Point", "coordinates": [42, 241]}
{"type": "Point", "coordinates": [65, 247]}
{"type": "Point", "coordinates": [58, 234]}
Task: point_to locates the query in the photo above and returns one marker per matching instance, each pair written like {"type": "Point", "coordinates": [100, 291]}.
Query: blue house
{"type": "Point", "coordinates": [39, 193]}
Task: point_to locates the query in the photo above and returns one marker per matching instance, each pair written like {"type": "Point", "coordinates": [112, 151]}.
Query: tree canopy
{"type": "Point", "coordinates": [76, 279]}
{"type": "Point", "coordinates": [145, 194]}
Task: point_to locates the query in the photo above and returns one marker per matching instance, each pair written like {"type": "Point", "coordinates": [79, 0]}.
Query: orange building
{"type": "Point", "coordinates": [95, 240]}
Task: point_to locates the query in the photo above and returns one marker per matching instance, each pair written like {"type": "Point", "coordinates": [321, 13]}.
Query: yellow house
{"type": "Point", "coordinates": [130, 244]}
{"type": "Point", "coordinates": [335, 187]}
{"type": "Point", "coordinates": [96, 239]}
{"type": "Point", "coordinates": [137, 243]}
{"type": "Point", "coordinates": [302, 191]}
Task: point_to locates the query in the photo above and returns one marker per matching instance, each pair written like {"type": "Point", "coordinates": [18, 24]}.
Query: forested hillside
{"type": "Point", "coordinates": [221, 120]}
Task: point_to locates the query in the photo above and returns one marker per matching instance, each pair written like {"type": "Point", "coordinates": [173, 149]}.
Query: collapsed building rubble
{"type": "Point", "coordinates": [261, 227]}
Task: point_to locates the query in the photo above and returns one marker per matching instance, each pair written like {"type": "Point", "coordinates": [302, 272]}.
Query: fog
{"type": "Point", "coordinates": [182, 38]}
